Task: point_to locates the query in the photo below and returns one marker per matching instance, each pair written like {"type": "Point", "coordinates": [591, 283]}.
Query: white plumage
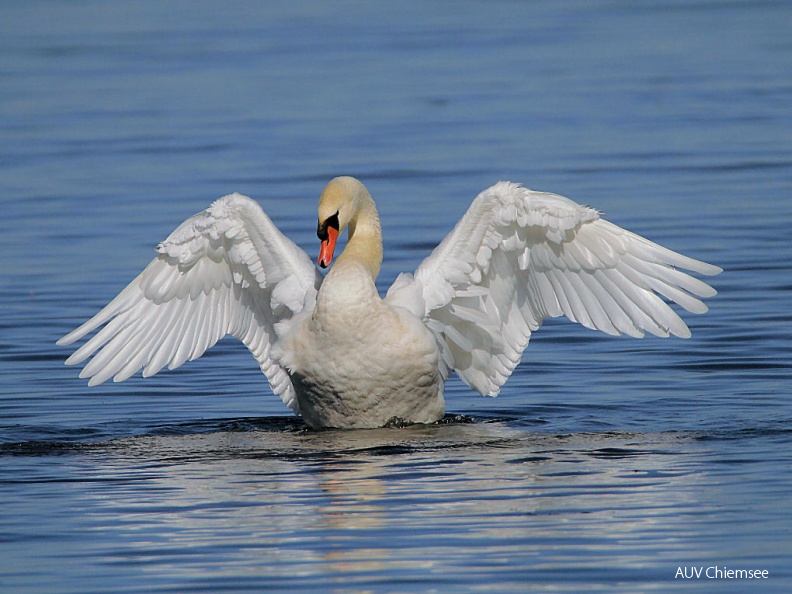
{"type": "Point", "coordinates": [341, 356]}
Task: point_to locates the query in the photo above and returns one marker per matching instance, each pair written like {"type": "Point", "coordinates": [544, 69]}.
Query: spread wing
{"type": "Point", "coordinates": [226, 270]}
{"type": "Point", "coordinates": [518, 257]}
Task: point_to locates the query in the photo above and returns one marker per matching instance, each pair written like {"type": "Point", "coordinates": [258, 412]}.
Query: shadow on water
{"type": "Point", "coordinates": [290, 433]}
{"type": "Point", "coordinates": [289, 439]}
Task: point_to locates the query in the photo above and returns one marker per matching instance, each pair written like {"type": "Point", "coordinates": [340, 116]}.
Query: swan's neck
{"type": "Point", "coordinates": [364, 244]}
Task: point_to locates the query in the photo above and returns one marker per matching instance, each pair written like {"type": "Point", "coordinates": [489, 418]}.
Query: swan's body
{"type": "Point", "coordinates": [340, 355]}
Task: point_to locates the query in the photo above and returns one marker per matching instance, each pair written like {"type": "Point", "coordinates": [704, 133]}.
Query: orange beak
{"type": "Point", "coordinates": [328, 247]}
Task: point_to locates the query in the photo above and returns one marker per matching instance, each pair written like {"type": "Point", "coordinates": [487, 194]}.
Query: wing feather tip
{"type": "Point", "coordinates": [72, 336]}
{"type": "Point", "coordinates": [94, 381]}
{"type": "Point", "coordinates": [708, 269]}
{"type": "Point", "coordinates": [74, 359]}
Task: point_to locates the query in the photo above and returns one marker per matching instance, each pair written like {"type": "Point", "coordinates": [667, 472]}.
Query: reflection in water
{"type": "Point", "coordinates": [393, 504]}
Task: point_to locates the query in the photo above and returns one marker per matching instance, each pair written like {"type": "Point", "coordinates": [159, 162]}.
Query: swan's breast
{"type": "Point", "coordinates": [361, 367]}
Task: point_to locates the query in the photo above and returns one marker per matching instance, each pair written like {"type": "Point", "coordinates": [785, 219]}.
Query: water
{"type": "Point", "coordinates": [605, 464]}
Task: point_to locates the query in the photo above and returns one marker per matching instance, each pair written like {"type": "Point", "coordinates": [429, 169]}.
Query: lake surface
{"type": "Point", "coordinates": [606, 464]}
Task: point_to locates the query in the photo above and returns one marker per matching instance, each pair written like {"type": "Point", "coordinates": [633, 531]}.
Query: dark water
{"type": "Point", "coordinates": [605, 464]}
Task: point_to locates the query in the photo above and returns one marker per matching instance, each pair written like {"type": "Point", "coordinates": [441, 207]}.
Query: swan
{"type": "Point", "coordinates": [341, 356]}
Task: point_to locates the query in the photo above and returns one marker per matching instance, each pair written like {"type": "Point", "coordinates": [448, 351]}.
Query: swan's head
{"type": "Point", "coordinates": [339, 205]}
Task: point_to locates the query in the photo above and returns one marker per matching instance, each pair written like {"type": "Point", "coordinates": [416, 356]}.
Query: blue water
{"type": "Point", "coordinates": [605, 464]}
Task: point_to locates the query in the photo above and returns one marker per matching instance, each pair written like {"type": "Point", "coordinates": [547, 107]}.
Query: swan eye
{"type": "Point", "coordinates": [331, 221]}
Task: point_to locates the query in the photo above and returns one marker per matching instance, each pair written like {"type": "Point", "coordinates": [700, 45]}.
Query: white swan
{"type": "Point", "coordinates": [341, 356]}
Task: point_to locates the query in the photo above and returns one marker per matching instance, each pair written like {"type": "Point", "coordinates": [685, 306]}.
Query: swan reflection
{"type": "Point", "coordinates": [394, 501]}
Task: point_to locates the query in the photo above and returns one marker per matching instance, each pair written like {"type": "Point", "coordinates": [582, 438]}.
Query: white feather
{"type": "Point", "coordinates": [218, 273]}
{"type": "Point", "coordinates": [569, 262]}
